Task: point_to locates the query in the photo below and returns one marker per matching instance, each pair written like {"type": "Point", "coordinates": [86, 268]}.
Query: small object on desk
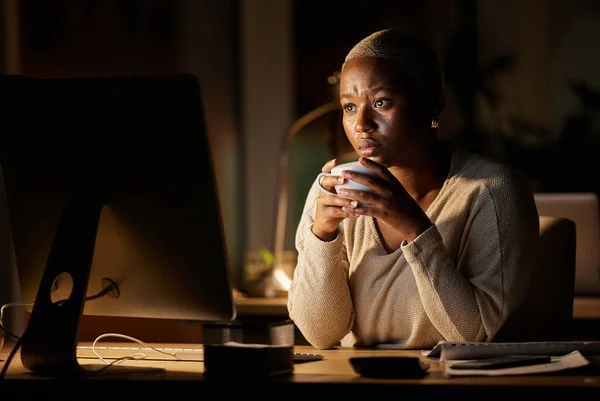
{"type": "Point", "coordinates": [389, 367]}
{"type": "Point", "coordinates": [508, 361]}
{"type": "Point", "coordinates": [300, 357]}
{"type": "Point", "coordinates": [222, 332]}
{"type": "Point", "coordinates": [233, 359]}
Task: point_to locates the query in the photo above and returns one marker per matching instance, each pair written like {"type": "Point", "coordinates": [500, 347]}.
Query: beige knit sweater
{"type": "Point", "coordinates": [457, 281]}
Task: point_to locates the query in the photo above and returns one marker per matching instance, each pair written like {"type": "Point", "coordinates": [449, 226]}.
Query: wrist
{"type": "Point", "coordinates": [324, 235]}
{"type": "Point", "coordinates": [417, 229]}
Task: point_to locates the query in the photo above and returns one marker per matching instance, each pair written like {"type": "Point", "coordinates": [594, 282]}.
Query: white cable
{"type": "Point", "coordinates": [10, 305]}
{"type": "Point", "coordinates": [136, 356]}
{"type": "Point", "coordinates": [18, 304]}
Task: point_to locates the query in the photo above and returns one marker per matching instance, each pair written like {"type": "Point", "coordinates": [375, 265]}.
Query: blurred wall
{"type": "Point", "coordinates": [575, 54]}
{"type": "Point", "coordinates": [209, 49]}
{"type": "Point", "coordinates": [267, 101]}
{"type": "Point", "coordinates": [519, 28]}
{"type": "Point", "coordinates": [553, 41]}
{"type": "Point", "coordinates": [546, 115]}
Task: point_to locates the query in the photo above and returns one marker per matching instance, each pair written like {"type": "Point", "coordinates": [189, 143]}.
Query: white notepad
{"type": "Point", "coordinates": [571, 360]}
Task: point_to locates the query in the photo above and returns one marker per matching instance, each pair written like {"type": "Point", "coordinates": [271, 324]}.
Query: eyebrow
{"type": "Point", "coordinates": [379, 89]}
{"type": "Point", "coordinates": [371, 91]}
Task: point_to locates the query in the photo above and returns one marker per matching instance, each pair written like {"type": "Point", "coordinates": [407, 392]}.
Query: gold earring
{"type": "Point", "coordinates": [435, 122]}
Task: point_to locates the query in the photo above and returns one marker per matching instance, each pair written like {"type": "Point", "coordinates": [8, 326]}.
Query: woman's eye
{"type": "Point", "coordinates": [381, 102]}
{"type": "Point", "coordinates": [349, 107]}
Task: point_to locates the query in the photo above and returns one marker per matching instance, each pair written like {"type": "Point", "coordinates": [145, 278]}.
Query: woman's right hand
{"type": "Point", "coordinates": [329, 213]}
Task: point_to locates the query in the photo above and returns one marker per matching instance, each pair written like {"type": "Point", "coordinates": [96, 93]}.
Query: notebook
{"type": "Point", "coordinates": [449, 350]}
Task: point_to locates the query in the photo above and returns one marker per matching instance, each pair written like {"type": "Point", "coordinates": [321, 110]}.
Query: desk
{"type": "Point", "coordinates": [332, 374]}
{"type": "Point", "coordinates": [586, 314]}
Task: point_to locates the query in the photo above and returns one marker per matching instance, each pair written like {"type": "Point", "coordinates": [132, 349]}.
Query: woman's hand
{"type": "Point", "coordinates": [331, 209]}
{"type": "Point", "coordinates": [387, 201]}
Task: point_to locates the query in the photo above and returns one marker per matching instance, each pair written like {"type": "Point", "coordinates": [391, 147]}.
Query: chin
{"type": "Point", "coordinates": [377, 159]}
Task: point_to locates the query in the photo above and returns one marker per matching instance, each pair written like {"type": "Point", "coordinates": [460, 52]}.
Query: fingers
{"type": "Point", "coordinates": [353, 212]}
{"type": "Point", "coordinates": [372, 182]}
{"type": "Point", "coordinates": [361, 196]}
{"type": "Point", "coordinates": [331, 210]}
{"type": "Point", "coordinates": [336, 201]}
{"type": "Point", "coordinates": [380, 170]}
{"type": "Point", "coordinates": [329, 165]}
{"type": "Point", "coordinates": [334, 208]}
{"type": "Point", "coordinates": [331, 181]}
{"type": "Point", "coordinates": [377, 182]}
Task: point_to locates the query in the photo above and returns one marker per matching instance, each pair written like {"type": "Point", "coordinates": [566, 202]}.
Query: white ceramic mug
{"type": "Point", "coordinates": [349, 184]}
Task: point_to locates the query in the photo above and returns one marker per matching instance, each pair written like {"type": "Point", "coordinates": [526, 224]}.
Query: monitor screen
{"type": "Point", "coordinates": [134, 151]}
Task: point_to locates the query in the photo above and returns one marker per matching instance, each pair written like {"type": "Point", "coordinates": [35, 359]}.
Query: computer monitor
{"type": "Point", "coordinates": [113, 206]}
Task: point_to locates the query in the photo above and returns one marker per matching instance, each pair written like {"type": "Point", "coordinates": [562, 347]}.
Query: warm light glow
{"type": "Point", "coordinates": [281, 281]}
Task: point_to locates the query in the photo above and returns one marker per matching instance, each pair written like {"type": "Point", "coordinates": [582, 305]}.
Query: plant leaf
{"type": "Point", "coordinates": [266, 256]}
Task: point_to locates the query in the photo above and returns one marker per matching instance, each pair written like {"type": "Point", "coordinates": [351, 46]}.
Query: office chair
{"type": "Point", "coordinates": [547, 313]}
{"type": "Point", "coordinates": [583, 208]}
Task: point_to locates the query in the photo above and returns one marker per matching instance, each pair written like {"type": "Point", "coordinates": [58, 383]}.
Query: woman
{"type": "Point", "coordinates": [446, 248]}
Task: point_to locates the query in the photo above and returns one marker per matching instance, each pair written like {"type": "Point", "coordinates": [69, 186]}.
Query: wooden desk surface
{"type": "Point", "coordinates": [334, 372]}
{"type": "Point", "coordinates": [586, 308]}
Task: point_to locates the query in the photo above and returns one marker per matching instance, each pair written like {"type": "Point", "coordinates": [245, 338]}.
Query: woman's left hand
{"type": "Point", "coordinates": [388, 201]}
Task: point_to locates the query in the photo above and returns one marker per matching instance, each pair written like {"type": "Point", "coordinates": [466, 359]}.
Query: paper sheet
{"type": "Point", "coordinates": [569, 361]}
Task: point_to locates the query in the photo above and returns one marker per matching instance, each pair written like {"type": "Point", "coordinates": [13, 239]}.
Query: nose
{"type": "Point", "coordinates": [364, 121]}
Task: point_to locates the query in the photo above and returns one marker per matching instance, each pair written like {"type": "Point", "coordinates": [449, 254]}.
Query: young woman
{"type": "Point", "coordinates": [447, 245]}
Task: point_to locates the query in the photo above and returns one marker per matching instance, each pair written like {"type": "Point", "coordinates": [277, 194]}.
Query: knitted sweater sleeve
{"type": "Point", "coordinates": [470, 295]}
{"type": "Point", "coordinates": [319, 300]}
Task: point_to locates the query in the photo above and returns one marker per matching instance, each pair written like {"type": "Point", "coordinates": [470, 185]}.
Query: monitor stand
{"type": "Point", "coordinates": [49, 343]}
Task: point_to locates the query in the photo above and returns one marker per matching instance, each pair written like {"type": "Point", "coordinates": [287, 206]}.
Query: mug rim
{"type": "Point", "coordinates": [343, 166]}
{"type": "Point", "coordinates": [348, 164]}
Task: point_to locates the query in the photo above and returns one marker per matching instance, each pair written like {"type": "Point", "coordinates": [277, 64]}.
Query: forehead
{"type": "Point", "coordinates": [366, 72]}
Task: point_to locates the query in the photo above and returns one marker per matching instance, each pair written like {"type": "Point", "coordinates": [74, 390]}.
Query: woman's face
{"type": "Point", "coordinates": [376, 115]}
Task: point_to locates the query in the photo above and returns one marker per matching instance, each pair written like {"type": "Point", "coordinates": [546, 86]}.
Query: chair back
{"type": "Point", "coordinates": [584, 209]}
{"type": "Point", "coordinates": [547, 313]}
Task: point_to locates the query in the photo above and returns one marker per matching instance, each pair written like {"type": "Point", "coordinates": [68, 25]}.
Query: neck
{"type": "Point", "coordinates": [425, 172]}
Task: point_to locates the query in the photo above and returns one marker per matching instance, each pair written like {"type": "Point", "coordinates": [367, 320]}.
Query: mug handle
{"type": "Point", "coordinates": [318, 180]}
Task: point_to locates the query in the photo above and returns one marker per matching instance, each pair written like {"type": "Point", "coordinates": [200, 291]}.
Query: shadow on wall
{"type": "Point", "coordinates": [563, 161]}
{"type": "Point", "coordinates": [566, 162]}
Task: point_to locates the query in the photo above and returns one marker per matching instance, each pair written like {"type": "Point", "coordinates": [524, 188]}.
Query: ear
{"type": "Point", "coordinates": [440, 102]}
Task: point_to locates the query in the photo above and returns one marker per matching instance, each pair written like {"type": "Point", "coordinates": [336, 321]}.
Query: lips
{"type": "Point", "coordinates": [367, 147]}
